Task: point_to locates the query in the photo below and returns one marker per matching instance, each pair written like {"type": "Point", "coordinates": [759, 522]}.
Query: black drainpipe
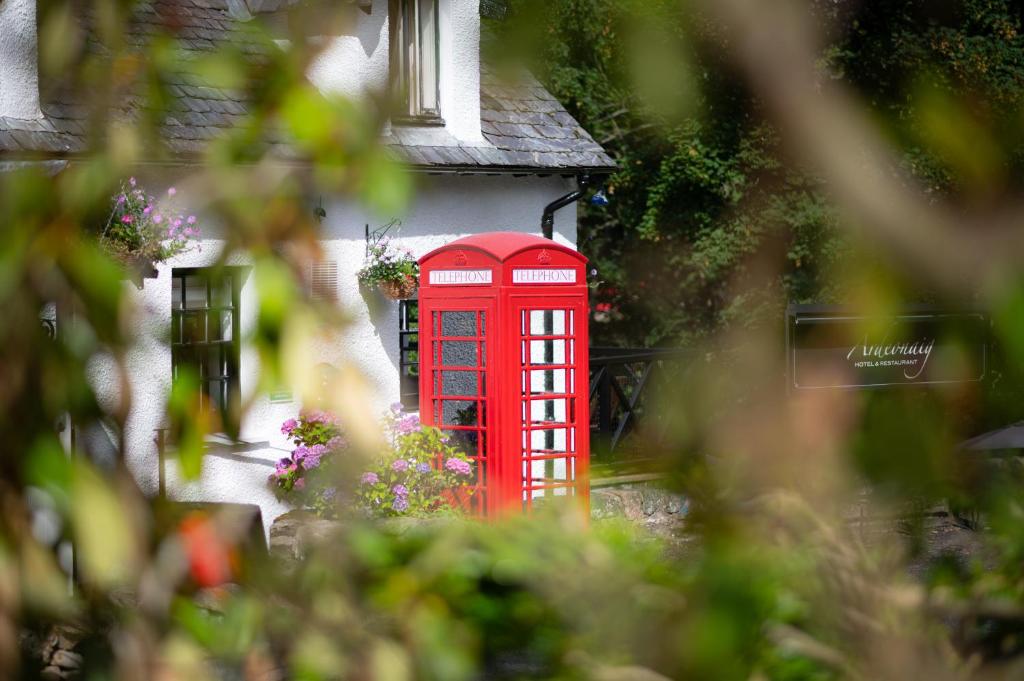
{"type": "Point", "coordinates": [547, 219]}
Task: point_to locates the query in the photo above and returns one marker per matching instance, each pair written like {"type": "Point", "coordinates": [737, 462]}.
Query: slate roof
{"type": "Point", "coordinates": [525, 129]}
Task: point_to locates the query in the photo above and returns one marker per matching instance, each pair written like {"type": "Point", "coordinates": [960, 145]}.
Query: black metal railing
{"type": "Point", "coordinates": [622, 382]}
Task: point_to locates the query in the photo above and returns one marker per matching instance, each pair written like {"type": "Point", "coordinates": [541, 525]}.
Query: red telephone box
{"type": "Point", "coordinates": [504, 364]}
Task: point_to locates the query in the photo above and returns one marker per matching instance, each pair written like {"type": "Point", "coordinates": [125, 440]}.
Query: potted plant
{"type": "Point", "coordinates": [142, 232]}
{"type": "Point", "coordinates": [390, 268]}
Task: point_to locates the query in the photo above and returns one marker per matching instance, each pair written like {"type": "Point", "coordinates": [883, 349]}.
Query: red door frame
{"type": "Point", "coordinates": [513, 303]}
{"type": "Point", "coordinates": [471, 301]}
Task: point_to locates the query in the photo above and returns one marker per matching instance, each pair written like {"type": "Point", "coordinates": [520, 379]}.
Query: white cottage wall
{"type": "Point", "coordinates": [19, 71]}
{"type": "Point", "coordinates": [446, 207]}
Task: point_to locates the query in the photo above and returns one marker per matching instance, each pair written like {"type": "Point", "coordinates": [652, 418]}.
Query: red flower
{"type": "Point", "coordinates": [209, 556]}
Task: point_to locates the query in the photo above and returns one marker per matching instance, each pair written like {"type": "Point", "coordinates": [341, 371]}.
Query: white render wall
{"type": "Point", "coordinates": [19, 71]}
{"type": "Point", "coordinates": [446, 207]}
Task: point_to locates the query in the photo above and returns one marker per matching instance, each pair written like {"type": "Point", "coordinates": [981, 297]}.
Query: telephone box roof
{"type": "Point", "coordinates": [503, 245]}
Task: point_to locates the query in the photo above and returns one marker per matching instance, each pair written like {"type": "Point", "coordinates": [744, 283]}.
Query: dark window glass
{"type": "Point", "coordinates": [204, 333]}
{"type": "Point", "coordinates": [408, 354]}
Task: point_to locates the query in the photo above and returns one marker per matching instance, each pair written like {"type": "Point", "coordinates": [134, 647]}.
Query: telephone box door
{"type": "Point", "coordinates": [457, 356]}
{"type": "Point", "coordinates": [551, 417]}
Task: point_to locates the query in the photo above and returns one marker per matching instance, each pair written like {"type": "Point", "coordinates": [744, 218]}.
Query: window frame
{"type": "Point", "coordinates": [406, 77]}
{"type": "Point", "coordinates": [408, 353]}
{"type": "Point", "coordinates": [180, 349]}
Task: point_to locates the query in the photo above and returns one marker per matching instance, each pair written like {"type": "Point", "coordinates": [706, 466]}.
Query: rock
{"type": "Point", "coordinates": [606, 503]}
{"type": "Point", "coordinates": [650, 501]}
{"type": "Point", "coordinates": [677, 504]}
{"type": "Point", "coordinates": [66, 659]}
{"type": "Point", "coordinates": [65, 641]}
{"type": "Point", "coordinates": [633, 504]}
{"type": "Point", "coordinates": [52, 673]}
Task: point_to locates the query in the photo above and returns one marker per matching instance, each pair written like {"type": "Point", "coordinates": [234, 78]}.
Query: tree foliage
{"type": "Point", "coordinates": [705, 184]}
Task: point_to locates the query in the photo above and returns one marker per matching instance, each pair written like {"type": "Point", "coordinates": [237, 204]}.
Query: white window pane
{"type": "Point", "coordinates": [428, 55]}
{"type": "Point", "coordinates": [195, 291]}
{"type": "Point", "coordinates": [547, 352]}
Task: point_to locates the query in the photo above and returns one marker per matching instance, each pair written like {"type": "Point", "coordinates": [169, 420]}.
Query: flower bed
{"type": "Point", "coordinates": [417, 471]}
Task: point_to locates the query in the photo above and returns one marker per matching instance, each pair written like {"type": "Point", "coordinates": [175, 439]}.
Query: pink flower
{"type": "Point", "coordinates": [408, 424]}
{"type": "Point", "coordinates": [131, 181]}
{"type": "Point", "coordinates": [369, 479]}
{"type": "Point", "coordinates": [458, 466]}
{"type": "Point", "coordinates": [121, 199]}
{"type": "Point", "coordinates": [191, 219]}
{"type": "Point", "coordinates": [172, 191]}
{"type": "Point", "coordinates": [288, 426]}
{"type": "Point", "coordinates": [177, 223]}
{"type": "Point", "coordinates": [126, 219]}
{"type": "Point", "coordinates": [158, 218]}
{"type": "Point", "coordinates": [147, 210]}
{"type": "Point", "coordinates": [300, 483]}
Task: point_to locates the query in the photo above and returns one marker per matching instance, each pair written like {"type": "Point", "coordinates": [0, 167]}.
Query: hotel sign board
{"type": "Point", "coordinates": [829, 347]}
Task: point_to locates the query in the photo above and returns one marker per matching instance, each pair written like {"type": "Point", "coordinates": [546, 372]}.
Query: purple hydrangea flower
{"type": "Point", "coordinates": [408, 424]}
{"type": "Point", "coordinates": [423, 467]}
{"type": "Point", "coordinates": [400, 504]}
{"type": "Point", "coordinates": [400, 490]}
{"type": "Point", "coordinates": [458, 466]}
{"type": "Point", "coordinates": [330, 493]}
{"type": "Point", "coordinates": [396, 408]}
{"type": "Point", "coordinates": [319, 416]}
{"type": "Point", "coordinates": [369, 479]}
{"type": "Point", "coordinates": [400, 465]}
{"type": "Point", "coordinates": [313, 456]}
{"type": "Point", "coordinates": [288, 426]}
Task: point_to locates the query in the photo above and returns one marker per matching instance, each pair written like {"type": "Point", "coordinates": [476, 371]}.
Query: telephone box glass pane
{"type": "Point", "coordinates": [549, 439]}
{"type": "Point", "coordinates": [547, 381]}
{"type": "Point", "coordinates": [458, 413]}
{"type": "Point", "coordinates": [458, 353]}
{"type": "Point", "coordinates": [547, 352]}
{"type": "Point", "coordinates": [459, 383]}
{"type": "Point", "coordinates": [547, 411]}
{"type": "Point", "coordinates": [467, 441]}
{"type": "Point", "coordinates": [547, 323]}
{"type": "Point", "coordinates": [458, 323]}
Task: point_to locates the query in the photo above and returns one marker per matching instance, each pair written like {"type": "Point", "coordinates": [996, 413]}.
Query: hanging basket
{"type": "Point", "coordinates": [399, 289]}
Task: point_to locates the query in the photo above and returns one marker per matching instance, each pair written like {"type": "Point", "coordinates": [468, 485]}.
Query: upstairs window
{"type": "Point", "coordinates": [415, 60]}
{"type": "Point", "coordinates": [204, 333]}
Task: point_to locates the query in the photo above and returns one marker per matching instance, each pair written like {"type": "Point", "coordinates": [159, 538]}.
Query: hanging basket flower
{"type": "Point", "coordinates": [391, 269]}
{"type": "Point", "coordinates": [142, 230]}
{"type": "Point", "coordinates": [399, 289]}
